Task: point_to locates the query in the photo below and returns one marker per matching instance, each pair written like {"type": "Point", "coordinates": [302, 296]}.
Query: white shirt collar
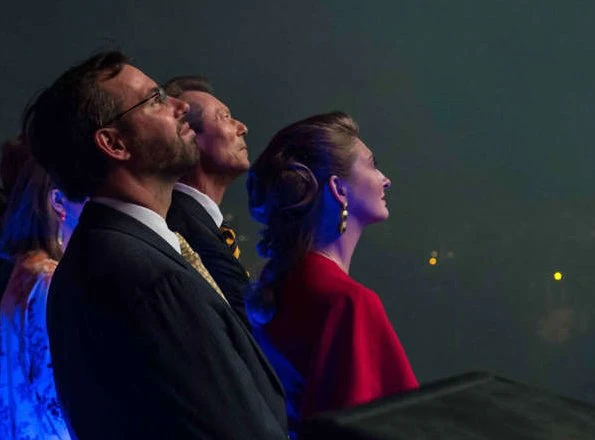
{"type": "Point", "coordinates": [206, 202]}
{"type": "Point", "coordinates": [144, 215]}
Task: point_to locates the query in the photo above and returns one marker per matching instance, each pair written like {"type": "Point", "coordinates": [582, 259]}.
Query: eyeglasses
{"type": "Point", "coordinates": [158, 93]}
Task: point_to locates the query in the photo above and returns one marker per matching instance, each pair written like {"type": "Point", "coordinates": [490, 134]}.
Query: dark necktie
{"type": "Point", "coordinates": [230, 239]}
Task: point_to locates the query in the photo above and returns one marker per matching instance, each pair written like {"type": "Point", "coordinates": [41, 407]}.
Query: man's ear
{"type": "Point", "coordinates": [338, 189]}
{"type": "Point", "coordinates": [109, 141]}
{"type": "Point", "coordinates": [57, 201]}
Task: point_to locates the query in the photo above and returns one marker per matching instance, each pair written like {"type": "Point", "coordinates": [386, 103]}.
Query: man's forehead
{"type": "Point", "coordinates": [202, 99]}
{"type": "Point", "coordinates": [363, 149]}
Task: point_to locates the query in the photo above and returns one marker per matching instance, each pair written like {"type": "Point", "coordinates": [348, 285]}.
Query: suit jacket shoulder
{"type": "Point", "coordinates": [348, 353]}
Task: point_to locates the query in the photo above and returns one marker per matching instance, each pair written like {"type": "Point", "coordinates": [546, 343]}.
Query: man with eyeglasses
{"type": "Point", "coordinates": [144, 344]}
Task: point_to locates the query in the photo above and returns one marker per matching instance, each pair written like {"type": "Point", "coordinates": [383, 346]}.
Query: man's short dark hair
{"type": "Point", "coordinates": [60, 124]}
{"type": "Point", "coordinates": [190, 83]}
{"type": "Point", "coordinates": [187, 83]}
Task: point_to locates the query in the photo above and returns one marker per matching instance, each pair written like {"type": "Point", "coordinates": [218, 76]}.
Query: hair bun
{"type": "Point", "coordinates": [289, 189]}
{"type": "Point", "coordinates": [298, 185]}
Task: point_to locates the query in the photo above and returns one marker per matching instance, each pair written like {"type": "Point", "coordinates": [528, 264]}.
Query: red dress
{"type": "Point", "coordinates": [332, 343]}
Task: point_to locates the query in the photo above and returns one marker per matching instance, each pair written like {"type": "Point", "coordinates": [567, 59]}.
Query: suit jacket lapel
{"type": "Point", "coordinates": [97, 215]}
{"type": "Point", "coordinates": [193, 211]}
{"type": "Point", "coordinates": [198, 211]}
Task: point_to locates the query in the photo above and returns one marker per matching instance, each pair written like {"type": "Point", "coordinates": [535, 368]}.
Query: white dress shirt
{"type": "Point", "coordinates": [206, 202]}
{"type": "Point", "coordinates": [149, 218]}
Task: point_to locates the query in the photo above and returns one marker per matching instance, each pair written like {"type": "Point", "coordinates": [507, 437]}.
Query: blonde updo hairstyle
{"type": "Point", "coordinates": [286, 190]}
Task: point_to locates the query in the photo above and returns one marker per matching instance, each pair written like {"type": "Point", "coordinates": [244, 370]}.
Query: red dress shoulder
{"type": "Point", "coordinates": [335, 333]}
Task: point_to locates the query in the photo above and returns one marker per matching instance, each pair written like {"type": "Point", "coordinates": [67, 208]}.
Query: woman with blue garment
{"type": "Point", "coordinates": [38, 223]}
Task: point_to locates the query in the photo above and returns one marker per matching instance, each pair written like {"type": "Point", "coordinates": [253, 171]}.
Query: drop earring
{"type": "Point", "coordinates": [60, 236]}
{"type": "Point", "coordinates": [343, 219]}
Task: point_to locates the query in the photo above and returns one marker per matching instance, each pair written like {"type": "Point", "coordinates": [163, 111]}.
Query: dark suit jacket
{"type": "Point", "coordinates": [144, 348]}
{"type": "Point", "coordinates": [189, 218]}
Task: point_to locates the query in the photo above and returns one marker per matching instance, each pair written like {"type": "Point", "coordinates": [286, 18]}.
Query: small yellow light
{"type": "Point", "coordinates": [558, 276]}
{"type": "Point", "coordinates": [433, 261]}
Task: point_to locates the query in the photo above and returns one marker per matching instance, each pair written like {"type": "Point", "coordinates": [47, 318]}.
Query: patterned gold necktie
{"type": "Point", "coordinates": [230, 239]}
{"type": "Point", "coordinates": [192, 257]}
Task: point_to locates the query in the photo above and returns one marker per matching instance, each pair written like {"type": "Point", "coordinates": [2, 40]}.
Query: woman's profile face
{"type": "Point", "coordinates": [366, 186]}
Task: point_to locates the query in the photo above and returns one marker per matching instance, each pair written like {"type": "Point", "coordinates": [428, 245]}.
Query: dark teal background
{"type": "Point", "coordinates": [479, 111]}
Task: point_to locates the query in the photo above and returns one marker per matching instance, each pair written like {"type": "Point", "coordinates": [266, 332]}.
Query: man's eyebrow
{"type": "Point", "coordinates": [152, 91]}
